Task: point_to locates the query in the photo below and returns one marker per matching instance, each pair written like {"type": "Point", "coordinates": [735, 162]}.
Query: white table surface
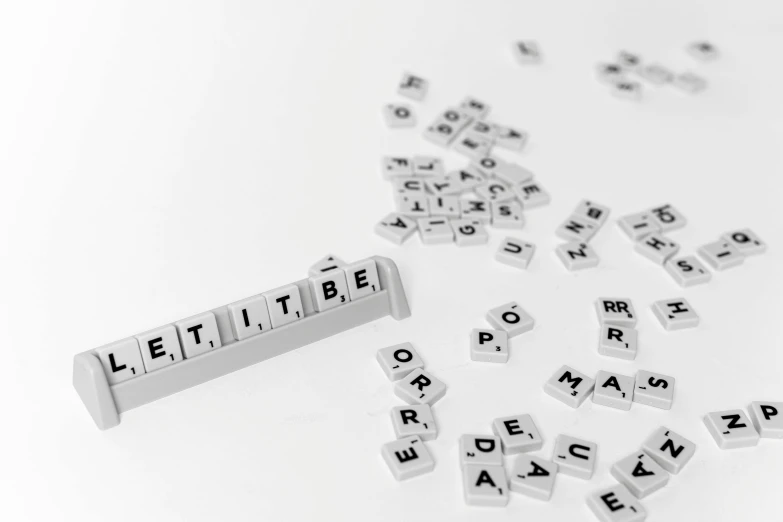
{"type": "Point", "coordinates": [164, 158]}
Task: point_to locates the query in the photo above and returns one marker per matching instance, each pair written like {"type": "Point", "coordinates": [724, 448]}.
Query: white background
{"type": "Point", "coordinates": [160, 159]}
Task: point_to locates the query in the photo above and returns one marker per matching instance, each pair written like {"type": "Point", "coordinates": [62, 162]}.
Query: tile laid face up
{"type": "Point", "coordinates": [532, 195]}
{"type": "Point", "coordinates": [468, 232]}
{"type": "Point", "coordinates": [533, 476]}
{"type": "Point", "coordinates": [569, 386]}
{"type": "Point", "coordinates": [767, 418]}
{"type": "Point", "coordinates": [483, 450]}
{"type": "Point", "coordinates": [654, 389]}
{"type": "Point", "coordinates": [407, 458]}
{"type": "Point", "coordinates": [577, 256]}
{"type": "Point", "coordinates": [518, 434]}
{"type": "Point", "coordinates": [362, 278]}
{"type": "Point", "coordinates": [249, 317]}
{"type": "Point", "coordinates": [731, 429]}
{"type": "Point", "coordinates": [747, 242]}
{"type": "Point", "coordinates": [413, 87]}
{"type": "Point", "coordinates": [577, 229]}
{"type": "Point", "coordinates": [485, 485]}
{"type": "Point", "coordinates": [392, 166]}
{"type": "Point", "coordinates": [656, 248]}
{"type": "Point", "coordinates": [637, 226]}
{"type": "Point", "coordinates": [121, 360]}
{"type": "Point", "coordinates": [721, 254]}
{"type": "Point", "coordinates": [435, 231]}
{"type": "Point", "coordinates": [507, 214]}
{"type": "Point", "coordinates": [688, 271]}
{"type": "Point", "coordinates": [618, 341]}
{"type": "Point", "coordinates": [668, 218]}
{"type": "Point", "coordinates": [675, 314]}
{"type": "Point", "coordinates": [640, 474]}
{"type": "Point", "coordinates": [488, 345]}
{"type": "Point", "coordinates": [398, 360]}
{"type": "Point", "coordinates": [575, 457]}
{"type": "Point", "coordinates": [616, 504]}
{"type": "Point", "coordinates": [415, 420]}
{"type": "Point", "coordinates": [399, 115]}
{"type": "Point", "coordinates": [510, 318]}
{"type": "Point", "coordinates": [614, 310]}
{"type": "Point", "coordinates": [420, 387]}
{"type": "Point", "coordinates": [669, 449]}
{"type": "Point", "coordinates": [329, 290]}
{"type": "Point", "coordinates": [285, 305]}
{"type": "Point", "coordinates": [613, 390]}
{"type": "Point", "coordinates": [516, 253]}
{"type": "Point", "coordinates": [396, 228]}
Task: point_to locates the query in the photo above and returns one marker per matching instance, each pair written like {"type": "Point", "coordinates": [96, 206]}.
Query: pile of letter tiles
{"type": "Point", "coordinates": [648, 230]}
{"type": "Point", "coordinates": [456, 206]}
{"type": "Point", "coordinates": [616, 74]}
{"type": "Point", "coordinates": [332, 283]}
{"type": "Point", "coordinates": [577, 230]}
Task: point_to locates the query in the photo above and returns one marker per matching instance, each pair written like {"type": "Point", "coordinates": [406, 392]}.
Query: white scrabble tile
{"type": "Point", "coordinates": [489, 165]}
{"type": "Point", "coordinates": [482, 450]}
{"type": "Point", "coordinates": [636, 226]}
{"type": "Point", "coordinates": [507, 214]}
{"type": "Point", "coordinates": [613, 390]}
{"type": "Point", "coordinates": [398, 360]}
{"type": "Point", "coordinates": [675, 314]}
{"type": "Point", "coordinates": [640, 474]}
{"type": "Point", "coordinates": [325, 264]}
{"type": "Point", "coordinates": [446, 206]}
{"type": "Point", "coordinates": [731, 429]}
{"type": "Point", "coordinates": [198, 334]}
{"type": "Point", "coordinates": [533, 477]}
{"type": "Point", "coordinates": [441, 132]}
{"type": "Point", "coordinates": [468, 178]}
{"type": "Point", "coordinates": [159, 348]}
{"type": "Point", "coordinates": [415, 420]}
{"type": "Point", "coordinates": [121, 360]}
{"type": "Point", "coordinates": [670, 450]}
{"type": "Point", "coordinates": [513, 174]}
{"type": "Point", "coordinates": [485, 486]}
{"type": "Point", "coordinates": [569, 386]}
{"type": "Point", "coordinates": [329, 290]}
{"type": "Point", "coordinates": [249, 317]}
{"type": "Point", "coordinates": [407, 458]}
{"type": "Point", "coordinates": [396, 228]}
{"type": "Point", "coordinates": [413, 87]}
{"type": "Point", "coordinates": [392, 166]}
{"type": "Point", "coordinates": [362, 278]}
{"type": "Point", "coordinates": [574, 228]}
{"type": "Point", "coordinates": [654, 389]}
{"type": "Point", "coordinates": [618, 341]}
{"type": "Point", "coordinates": [532, 195]}
{"type": "Point", "coordinates": [285, 305]}
{"type": "Point", "coordinates": [629, 61]}
{"type": "Point", "coordinates": [444, 186]}
{"type": "Point", "coordinates": [488, 345]}
{"type": "Point", "coordinates": [616, 504]}
{"type": "Point", "coordinates": [577, 256]}
{"type": "Point", "coordinates": [428, 166]}
{"type": "Point", "coordinates": [746, 241]}
{"type": "Point", "coordinates": [527, 52]}
{"type": "Point", "coordinates": [767, 418]}
{"type": "Point", "coordinates": [688, 271]}
{"type": "Point", "coordinates": [458, 118]}
{"type": "Point", "coordinates": [575, 457]}
{"type": "Point", "coordinates": [656, 74]}
{"type": "Point", "coordinates": [474, 107]}
{"type": "Point", "coordinates": [435, 231]}
{"type": "Point", "coordinates": [690, 82]}
{"type": "Point", "coordinates": [657, 248]}
{"type": "Point", "coordinates": [515, 253]}
{"type": "Point", "coordinates": [721, 254]}
{"type": "Point", "coordinates": [610, 72]}
{"type": "Point", "coordinates": [615, 310]}
{"type": "Point", "coordinates": [469, 232]}
{"type": "Point", "coordinates": [484, 129]}
{"type": "Point", "coordinates": [405, 185]}
{"type": "Point", "coordinates": [476, 209]}
{"type": "Point", "coordinates": [668, 217]}
{"type": "Point", "coordinates": [420, 387]}
{"type": "Point", "coordinates": [494, 191]}
{"type": "Point", "coordinates": [473, 146]}
{"type": "Point", "coordinates": [627, 89]}
{"type": "Point", "coordinates": [511, 318]}
{"type": "Point", "coordinates": [413, 205]}
{"type": "Point", "coordinates": [518, 434]}
{"type": "Point", "coordinates": [399, 115]}
{"type": "Point", "coordinates": [592, 212]}
{"type": "Point", "coordinates": [702, 50]}
{"type": "Point", "coordinates": [510, 138]}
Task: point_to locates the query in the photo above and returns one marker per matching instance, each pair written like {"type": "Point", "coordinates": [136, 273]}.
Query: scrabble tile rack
{"type": "Point", "coordinates": [106, 402]}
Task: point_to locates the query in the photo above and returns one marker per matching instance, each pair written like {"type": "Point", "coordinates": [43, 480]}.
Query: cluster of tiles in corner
{"type": "Point", "coordinates": [332, 283]}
